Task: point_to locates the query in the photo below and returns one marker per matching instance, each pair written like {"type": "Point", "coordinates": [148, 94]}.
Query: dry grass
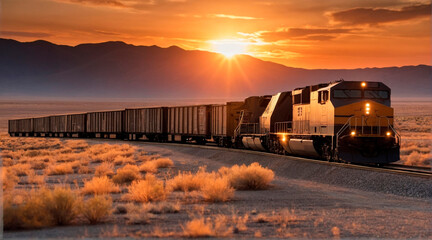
{"type": "Point", "coordinates": [148, 167]}
{"type": "Point", "coordinates": [147, 190]}
{"type": "Point", "coordinates": [104, 169]}
{"type": "Point", "coordinates": [210, 227]}
{"type": "Point", "coordinates": [40, 208]}
{"type": "Point", "coordinates": [122, 160]}
{"type": "Point", "coordinates": [96, 208]}
{"type": "Point", "coordinates": [59, 169]}
{"type": "Point", "coordinates": [162, 207]}
{"type": "Point", "coordinates": [187, 181]}
{"type": "Point", "coordinates": [217, 190]}
{"type": "Point", "coordinates": [136, 214]}
{"type": "Point", "coordinates": [61, 204]}
{"type": "Point", "coordinates": [163, 162]}
{"type": "Point", "coordinates": [252, 177]}
{"type": "Point", "coordinates": [99, 185]}
{"type": "Point", "coordinates": [127, 174]}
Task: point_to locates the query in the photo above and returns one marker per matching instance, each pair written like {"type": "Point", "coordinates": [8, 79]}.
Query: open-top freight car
{"type": "Point", "coordinates": [107, 124]}
{"type": "Point", "coordinates": [189, 123]}
{"type": "Point", "coordinates": [146, 122]}
{"type": "Point", "coordinates": [21, 127]}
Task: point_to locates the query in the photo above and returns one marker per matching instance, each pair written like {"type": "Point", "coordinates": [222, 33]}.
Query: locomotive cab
{"type": "Point", "coordinates": [363, 123]}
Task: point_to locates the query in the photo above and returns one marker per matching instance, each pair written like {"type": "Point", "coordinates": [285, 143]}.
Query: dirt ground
{"type": "Point", "coordinates": [298, 205]}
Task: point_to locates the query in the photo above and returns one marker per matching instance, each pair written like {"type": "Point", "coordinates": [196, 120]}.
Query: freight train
{"type": "Point", "coordinates": [343, 121]}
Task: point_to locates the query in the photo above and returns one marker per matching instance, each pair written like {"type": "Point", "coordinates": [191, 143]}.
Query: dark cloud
{"type": "Point", "coordinates": [304, 34]}
{"type": "Point", "coordinates": [374, 16]}
{"type": "Point", "coordinates": [24, 34]}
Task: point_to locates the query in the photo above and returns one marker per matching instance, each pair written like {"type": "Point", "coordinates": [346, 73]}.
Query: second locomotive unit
{"type": "Point", "coordinates": [342, 121]}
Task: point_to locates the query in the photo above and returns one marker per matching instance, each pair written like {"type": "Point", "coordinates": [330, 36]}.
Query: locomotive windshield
{"type": "Point", "coordinates": [347, 93]}
{"type": "Point", "coordinates": [376, 94]}
{"type": "Point", "coordinates": [357, 93]}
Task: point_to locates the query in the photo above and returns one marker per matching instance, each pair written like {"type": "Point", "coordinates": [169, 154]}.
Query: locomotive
{"type": "Point", "coordinates": [345, 121]}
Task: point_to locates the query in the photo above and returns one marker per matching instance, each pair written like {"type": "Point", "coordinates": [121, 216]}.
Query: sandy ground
{"type": "Point", "coordinates": [316, 201]}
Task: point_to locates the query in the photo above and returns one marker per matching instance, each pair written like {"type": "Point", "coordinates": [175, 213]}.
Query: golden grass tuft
{"type": "Point", "coordinates": [217, 190]}
{"type": "Point", "coordinates": [96, 208]}
{"type": "Point", "coordinates": [61, 204]}
{"type": "Point", "coordinates": [147, 190]}
{"type": "Point", "coordinates": [40, 208]}
{"type": "Point", "coordinates": [252, 177]}
{"type": "Point", "coordinates": [104, 169]}
{"type": "Point", "coordinates": [59, 169]}
{"type": "Point", "coordinates": [162, 207]}
{"type": "Point", "coordinates": [187, 181]}
{"type": "Point", "coordinates": [148, 167]}
{"type": "Point", "coordinates": [127, 174]}
{"type": "Point", "coordinates": [163, 163]}
{"type": "Point", "coordinates": [121, 160]}
{"type": "Point", "coordinates": [200, 227]}
{"type": "Point", "coordinates": [99, 185]}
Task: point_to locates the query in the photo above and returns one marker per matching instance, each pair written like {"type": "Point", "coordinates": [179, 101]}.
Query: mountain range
{"type": "Point", "coordinates": [120, 70]}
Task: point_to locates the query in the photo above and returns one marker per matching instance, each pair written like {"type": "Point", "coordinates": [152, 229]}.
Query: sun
{"type": "Point", "coordinates": [228, 47]}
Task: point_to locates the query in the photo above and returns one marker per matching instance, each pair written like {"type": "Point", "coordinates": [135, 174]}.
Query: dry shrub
{"type": "Point", "coordinates": [33, 178]}
{"type": "Point", "coordinates": [104, 169]}
{"type": "Point", "coordinates": [21, 169]}
{"type": "Point", "coordinates": [59, 169]}
{"type": "Point", "coordinates": [162, 207]}
{"type": "Point", "coordinates": [61, 204]}
{"type": "Point", "coordinates": [10, 179]}
{"type": "Point", "coordinates": [127, 174]}
{"type": "Point", "coordinates": [200, 227]}
{"type": "Point", "coordinates": [96, 208]}
{"type": "Point", "coordinates": [148, 167]}
{"type": "Point", "coordinates": [163, 162]}
{"type": "Point", "coordinates": [252, 177]}
{"type": "Point", "coordinates": [187, 181]}
{"type": "Point", "coordinates": [84, 170]}
{"type": "Point", "coordinates": [147, 190]}
{"type": "Point", "coordinates": [99, 185]}
{"type": "Point", "coordinates": [121, 160]}
{"type": "Point", "coordinates": [40, 208]}
{"type": "Point", "coordinates": [39, 164]}
{"type": "Point", "coordinates": [136, 214]}
{"type": "Point", "coordinates": [217, 190]}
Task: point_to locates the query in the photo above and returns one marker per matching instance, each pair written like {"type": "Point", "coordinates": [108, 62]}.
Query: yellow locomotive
{"type": "Point", "coordinates": [343, 121]}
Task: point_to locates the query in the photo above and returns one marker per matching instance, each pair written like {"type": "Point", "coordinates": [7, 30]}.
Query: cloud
{"type": "Point", "coordinates": [374, 16]}
{"type": "Point", "coordinates": [233, 17]}
{"type": "Point", "coordinates": [115, 3]}
{"type": "Point", "coordinates": [107, 33]}
{"type": "Point", "coordinates": [316, 34]}
{"type": "Point", "coordinates": [25, 34]}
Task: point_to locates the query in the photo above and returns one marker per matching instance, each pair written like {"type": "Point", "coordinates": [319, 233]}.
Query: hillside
{"type": "Point", "coordinates": [117, 69]}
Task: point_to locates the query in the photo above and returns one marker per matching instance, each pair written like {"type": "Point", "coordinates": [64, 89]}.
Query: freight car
{"type": "Point", "coordinates": [342, 121]}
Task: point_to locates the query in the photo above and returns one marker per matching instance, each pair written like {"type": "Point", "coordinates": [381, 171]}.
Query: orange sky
{"type": "Point", "coordinates": [307, 33]}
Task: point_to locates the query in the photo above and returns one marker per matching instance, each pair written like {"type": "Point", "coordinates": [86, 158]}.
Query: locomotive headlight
{"type": "Point", "coordinates": [363, 84]}
{"type": "Point", "coordinates": [367, 108]}
{"type": "Point", "coordinates": [353, 133]}
{"type": "Point", "coordinates": [283, 139]}
{"type": "Point", "coordinates": [388, 134]}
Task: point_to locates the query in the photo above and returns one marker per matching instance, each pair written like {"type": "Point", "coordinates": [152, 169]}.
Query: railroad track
{"type": "Point", "coordinates": [423, 172]}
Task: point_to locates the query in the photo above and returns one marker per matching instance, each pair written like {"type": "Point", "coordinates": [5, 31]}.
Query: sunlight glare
{"type": "Point", "coordinates": [229, 48]}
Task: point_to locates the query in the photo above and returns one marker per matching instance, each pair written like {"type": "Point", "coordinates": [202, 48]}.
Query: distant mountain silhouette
{"type": "Point", "coordinates": [117, 69]}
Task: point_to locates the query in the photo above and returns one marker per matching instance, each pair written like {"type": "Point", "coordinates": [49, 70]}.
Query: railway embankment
{"type": "Point", "coordinates": [335, 174]}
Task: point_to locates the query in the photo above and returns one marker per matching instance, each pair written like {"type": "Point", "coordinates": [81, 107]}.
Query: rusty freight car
{"type": "Point", "coordinates": [21, 127]}
{"type": "Point", "coordinates": [108, 124]}
{"type": "Point", "coordinates": [189, 123]}
{"type": "Point", "coordinates": [146, 122]}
